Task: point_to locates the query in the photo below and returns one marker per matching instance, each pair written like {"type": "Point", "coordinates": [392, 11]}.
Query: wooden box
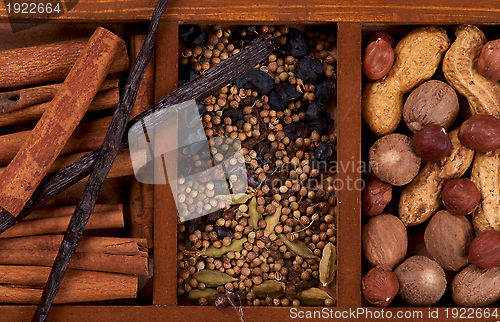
{"type": "Point", "coordinates": [351, 19]}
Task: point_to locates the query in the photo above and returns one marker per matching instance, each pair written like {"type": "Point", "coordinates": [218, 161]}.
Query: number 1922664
{"type": "Point", "coordinates": [32, 8]}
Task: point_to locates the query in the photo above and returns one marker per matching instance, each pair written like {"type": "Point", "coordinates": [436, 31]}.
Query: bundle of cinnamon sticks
{"type": "Point", "coordinates": [103, 268]}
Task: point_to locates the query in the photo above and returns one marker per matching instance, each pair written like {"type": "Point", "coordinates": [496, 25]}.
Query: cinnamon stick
{"type": "Point", "coordinates": [87, 136]}
{"type": "Point", "coordinates": [58, 225]}
{"type": "Point", "coordinates": [102, 100]}
{"type": "Point", "coordinates": [58, 122]}
{"type": "Point", "coordinates": [47, 63]}
{"type": "Point", "coordinates": [124, 264]}
{"type": "Point", "coordinates": [23, 285]}
{"type": "Point", "coordinates": [88, 244]}
{"type": "Point", "coordinates": [61, 211]}
{"type": "Point", "coordinates": [18, 99]}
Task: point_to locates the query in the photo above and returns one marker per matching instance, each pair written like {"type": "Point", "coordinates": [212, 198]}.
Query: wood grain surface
{"type": "Point", "coordinates": [299, 11]}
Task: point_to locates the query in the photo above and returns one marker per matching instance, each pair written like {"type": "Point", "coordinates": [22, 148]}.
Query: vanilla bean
{"type": "Point", "coordinates": [105, 157]}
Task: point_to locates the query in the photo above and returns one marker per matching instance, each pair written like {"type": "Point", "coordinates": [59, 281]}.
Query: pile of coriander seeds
{"type": "Point", "coordinates": [273, 241]}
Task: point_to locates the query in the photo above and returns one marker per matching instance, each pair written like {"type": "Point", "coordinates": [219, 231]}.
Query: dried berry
{"type": "Point", "coordinates": [252, 179]}
{"type": "Point", "coordinates": [187, 73]}
{"type": "Point", "coordinates": [298, 130]}
{"type": "Point", "coordinates": [223, 232]}
{"type": "Point", "coordinates": [324, 157]}
{"type": "Point", "coordinates": [325, 92]}
{"type": "Point", "coordinates": [256, 79]}
{"type": "Point", "coordinates": [234, 114]}
{"type": "Point", "coordinates": [285, 94]}
{"type": "Point", "coordinates": [192, 35]}
{"type": "Point", "coordinates": [431, 143]}
{"type": "Point", "coordinates": [310, 70]}
{"type": "Point", "coordinates": [297, 43]}
{"type": "Point", "coordinates": [318, 117]}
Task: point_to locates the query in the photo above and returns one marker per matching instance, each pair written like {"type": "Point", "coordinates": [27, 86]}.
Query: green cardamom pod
{"type": "Point", "coordinates": [270, 288]}
{"type": "Point", "coordinates": [272, 221]}
{"type": "Point", "coordinates": [206, 293]}
{"type": "Point", "coordinates": [313, 296]}
{"type": "Point", "coordinates": [213, 278]}
{"type": "Point", "coordinates": [328, 264]}
{"type": "Point", "coordinates": [298, 248]}
{"type": "Point", "coordinates": [235, 246]}
{"type": "Point", "coordinates": [254, 215]}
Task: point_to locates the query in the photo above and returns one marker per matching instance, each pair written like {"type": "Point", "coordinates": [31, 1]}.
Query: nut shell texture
{"type": "Point", "coordinates": [475, 286]}
{"type": "Point", "coordinates": [422, 282]}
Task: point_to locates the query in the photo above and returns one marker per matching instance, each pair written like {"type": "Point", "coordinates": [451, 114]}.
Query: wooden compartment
{"type": "Point", "coordinates": [351, 18]}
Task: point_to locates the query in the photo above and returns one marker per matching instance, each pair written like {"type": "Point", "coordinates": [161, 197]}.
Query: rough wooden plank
{"type": "Point", "coordinates": [379, 11]}
{"type": "Point", "coordinates": [349, 152]}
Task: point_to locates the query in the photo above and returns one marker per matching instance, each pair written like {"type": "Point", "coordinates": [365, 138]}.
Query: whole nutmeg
{"type": "Point", "coordinates": [376, 195]}
{"type": "Point", "coordinates": [447, 239]}
{"type": "Point", "coordinates": [488, 64]}
{"type": "Point", "coordinates": [484, 250]}
{"type": "Point", "coordinates": [431, 143]}
{"type": "Point", "coordinates": [460, 196]}
{"type": "Point", "coordinates": [380, 285]}
{"type": "Point", "coordinates": [393, 160]}
{"type": "Point", "coordinates": [385, 240]}
{"type": "Point", "coordinates": [422, 282]}
{"type": "Point", "coordinates": [474, 286]}
{"type": "Point", "coordinates": [433, 102]}
{"type": "Point", "coordinates": [480, 133]}
{"type": "Point", "coordinates": [378, 58]}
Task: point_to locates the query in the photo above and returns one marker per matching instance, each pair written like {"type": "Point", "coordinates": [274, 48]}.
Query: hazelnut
{"type": "Point", "coordinates": [488, 64]}
{"type": "Point", "coordinates": [376, 195]}
{"type": "Point", "coordinates": [393, 160]}
{"type": "Point", "coordinates": [378, 58]}
{"type": "Point", "coordinates": [433, 102]}
{"type": "Point", "coordinates": [431, 143]}
{"type": "Point", "coordinates": [480, 133]}
{"type": "Point", "coordinates": [383, 35]}
{"type": "Point", "coordinates": [484, 251]}
{"type": "Point", "coordinates": [460, 196]}
{"type": "Point", "coordinates": [380, 286]}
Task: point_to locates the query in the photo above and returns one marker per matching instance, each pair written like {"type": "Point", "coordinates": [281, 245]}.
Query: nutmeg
{"type": "Point", "coordinates": [376, 195]}
{"type": "Point", "coordinates": [431, 143]}
{"type": "Point", "coordinates": [484, 250]}
{"type": "Point", "coordinates": [488, 63]}
{"type": "Point", "coordinates": [380, 285]}
{"type": "Point", "coordinates": [422, 282]}
{"type": "Point", "coordinates": [378, 58]}
{"type": "Point", "coordinates": [385, 240]}
{"type": "Point", "coordinates": [480, 133]}
{"type": "Point", "coordinates": [447, 239]}
{"type": "Point", "coordinates": [433, 102]}
{"type": "Point", "coordinates": [460, 196]}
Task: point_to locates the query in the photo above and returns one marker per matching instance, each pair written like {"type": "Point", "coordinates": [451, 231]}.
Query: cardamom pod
{"type": "Point", "coordinates": [254, 215]}
{"type": "Point", "coordinates": [213, 278]}
{"type": "Point", "coordinates": [235, 246]}
{"type": "Point", "coordinates": [298, 248]}
{"type": "Point", "coordinates": [236, 199]}
{"type": "Point", "coordinates": [272, 221]}
{"type": "Point", "coordinates": [328, 264]}
{"type": "Point", "coordinates": [270, 288]}
{"type": "Point", "coordinates": [313, 296]}
{"type": "Point", "coordinates": [206, 293]}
